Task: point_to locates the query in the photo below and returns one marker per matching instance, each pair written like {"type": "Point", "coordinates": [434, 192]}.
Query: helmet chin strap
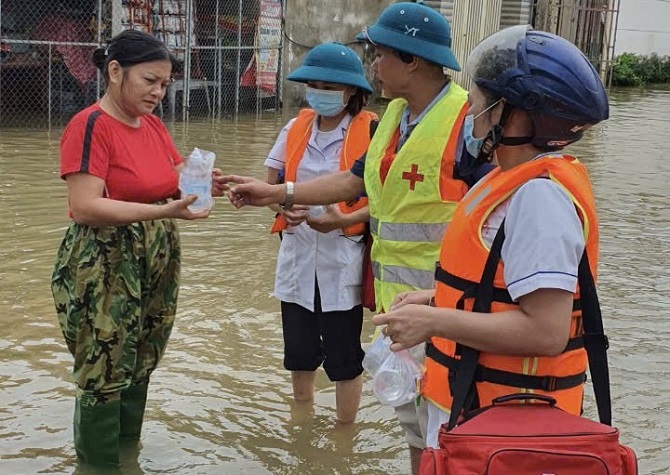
{"type": "Point", "coordinates": [495, 137]}
{"type": "Point", "coordinates": [515, 141]}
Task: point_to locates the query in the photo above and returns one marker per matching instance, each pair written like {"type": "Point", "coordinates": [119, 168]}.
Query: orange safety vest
{"type": "Point", "coordinates": [462, 259]}
{"type": "Point", "coordinates": [356, 141]}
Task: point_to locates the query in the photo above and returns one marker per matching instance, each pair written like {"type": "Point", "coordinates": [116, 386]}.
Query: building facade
{"type": "Point", "coordinates": [644, 27]}
{"type": "Point", "coordinates": [235, 53]}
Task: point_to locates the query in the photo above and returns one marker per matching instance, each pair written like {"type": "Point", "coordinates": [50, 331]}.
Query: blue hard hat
{"type": "Point", "coordinates": [416, 29]}
{"type": "Point", "coordinates": [544, 75]}
{"type": "Point", "coordinates": [332, 62]}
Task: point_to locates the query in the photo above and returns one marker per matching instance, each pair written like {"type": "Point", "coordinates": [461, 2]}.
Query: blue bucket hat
{"type": "Point", "coordinates": [416, 29]}
{"type": "Point", "coordinates": [332, 62]}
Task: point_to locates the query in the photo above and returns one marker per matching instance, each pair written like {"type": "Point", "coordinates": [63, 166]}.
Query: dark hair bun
{"type": "Point", "coordinates": [99, 58]}
{"type": "Point", "coordinates": [132, 47]}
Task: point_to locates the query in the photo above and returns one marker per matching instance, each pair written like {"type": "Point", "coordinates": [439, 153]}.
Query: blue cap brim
{"type": "Point", "coordinates": [438, 54]}
{"type": "Point", "coordinates": [315, 73]}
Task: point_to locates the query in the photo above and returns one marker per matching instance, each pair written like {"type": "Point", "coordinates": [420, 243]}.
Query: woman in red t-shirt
{"type": "Point", "coordinates": [116, 278]}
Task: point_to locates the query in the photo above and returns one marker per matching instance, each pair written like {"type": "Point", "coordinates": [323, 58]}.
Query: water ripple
{"type": "Point", "coordinates": [220, 401]}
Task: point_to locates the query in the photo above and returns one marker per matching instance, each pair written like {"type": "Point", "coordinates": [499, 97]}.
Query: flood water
{"type": "Point", "coordinates": [220, 402]}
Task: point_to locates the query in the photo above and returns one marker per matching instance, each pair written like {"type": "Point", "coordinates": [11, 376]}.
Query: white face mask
{"type": "Point", "coordinates": [325, 103]}
{"type": "Point", "coordinates": [472, 143]}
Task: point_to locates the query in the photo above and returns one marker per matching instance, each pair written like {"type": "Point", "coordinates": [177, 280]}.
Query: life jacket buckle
{"type": "Point", "coordinates": [548, 383]}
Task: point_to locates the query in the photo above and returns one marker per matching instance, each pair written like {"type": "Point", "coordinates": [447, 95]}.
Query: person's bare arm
{"type": "Point", "coordinates": [541, 326]}
{"type": "Point", "coordinates": [89, 207]}
{"type": "Point", "coordinates": [327, 189]}
{"type": "Point", "coordinates": [342, 186]}
{"type": "Point", "coordinates": [297, 214]}
{"type": "Point", "coordinates": [273, 175]}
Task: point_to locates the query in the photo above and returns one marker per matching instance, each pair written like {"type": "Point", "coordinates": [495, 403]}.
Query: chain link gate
{"type": "Point", "coordinates": [230, 52]}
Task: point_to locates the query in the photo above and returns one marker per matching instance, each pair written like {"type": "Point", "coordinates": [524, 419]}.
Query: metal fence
{"type": "Point", "coordinates": [230, 49]}
{"type": "Point", "coordinates": [589, 24]}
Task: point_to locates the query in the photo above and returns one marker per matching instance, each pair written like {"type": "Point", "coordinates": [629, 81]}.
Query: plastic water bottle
{"type": "Point", "coordinates": [196, 184]}
{"type": "Point", "coordinates": [195, 178]}
{"type": "Point", "coordinates": [376, 353]}
{"type": "Point", "coordinates": [394, 374]}
{"type": "Point", "coordinates": [390, 386]}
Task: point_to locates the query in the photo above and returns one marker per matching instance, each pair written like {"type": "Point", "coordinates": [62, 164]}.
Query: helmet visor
{"type": "Point", "coordinates": [495, 54]}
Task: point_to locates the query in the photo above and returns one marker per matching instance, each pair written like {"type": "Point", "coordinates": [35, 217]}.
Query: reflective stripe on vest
{"type": "Point", "coordinates": [411, 209]}
{"type": "Point", "coordinates": [416, 278]}
{"type": "Point", "coordinates": [422, 232]}
{"type": "Point", "coordinates": [462, 261]}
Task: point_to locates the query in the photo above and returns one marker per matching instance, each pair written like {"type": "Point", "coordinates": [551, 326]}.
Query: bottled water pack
{"type": "Point", "coordinates": [196, 179]}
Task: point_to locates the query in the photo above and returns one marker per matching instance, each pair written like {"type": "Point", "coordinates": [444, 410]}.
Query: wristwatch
{"type": "Point", "coordinates": [288, 200]}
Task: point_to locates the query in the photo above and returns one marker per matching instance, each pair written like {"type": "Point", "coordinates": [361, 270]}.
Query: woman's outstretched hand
{"type": "Point", "coordinates": [179, 209]}
{"type": "Point", "coordinates": [250, 191]}
{"type": "Point", "coordinates": [420, 297]}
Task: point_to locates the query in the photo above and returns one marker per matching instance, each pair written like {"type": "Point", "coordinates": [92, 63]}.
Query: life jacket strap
{"type": "Point", "coordinates": [508, 378]}
{"type": "Point", "coordinates": [469, 287]}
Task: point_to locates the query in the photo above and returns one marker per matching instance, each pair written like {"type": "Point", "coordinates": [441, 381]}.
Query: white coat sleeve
{"type": "Point", "coordinates": [544, 239]}
{"type": "Point", "coordinates": [277, 156]}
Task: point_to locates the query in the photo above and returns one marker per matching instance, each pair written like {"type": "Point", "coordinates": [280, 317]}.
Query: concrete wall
{"type": "Point", "coordinates": [644, 27]}
{"type": "Point", "coordinates": [310, 23]}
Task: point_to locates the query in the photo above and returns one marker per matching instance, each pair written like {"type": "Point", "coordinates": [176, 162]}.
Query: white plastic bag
{"type": "Point", "coordinates": [375, 354]}
{"type": "Point", "coordinates": [394, 374]}
{"type": "Point", "coordinates": [196, 179]}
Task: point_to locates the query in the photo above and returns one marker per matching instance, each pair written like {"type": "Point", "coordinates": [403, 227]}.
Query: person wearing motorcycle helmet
{"type": "Point", "coordinates": [559, 107]}
{"type": "Point", "coordinates": [517, 236]}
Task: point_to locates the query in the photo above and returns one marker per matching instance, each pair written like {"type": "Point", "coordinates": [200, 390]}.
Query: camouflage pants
{"type": "Point", "coordinates": [115, 289]}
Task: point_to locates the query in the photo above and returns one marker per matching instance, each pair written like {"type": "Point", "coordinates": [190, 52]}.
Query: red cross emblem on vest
{"type": "Point", "coordinates": [413, 176]}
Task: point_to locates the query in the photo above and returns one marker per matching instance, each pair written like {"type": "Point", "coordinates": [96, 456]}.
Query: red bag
{"type": "Point", "coordinates": [492, 441]}
{"type": "Point", "coordinates": [368, 285]}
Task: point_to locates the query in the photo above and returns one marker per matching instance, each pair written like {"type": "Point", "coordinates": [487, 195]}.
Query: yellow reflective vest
{"type": "Point", "coordinates": [411, 208]}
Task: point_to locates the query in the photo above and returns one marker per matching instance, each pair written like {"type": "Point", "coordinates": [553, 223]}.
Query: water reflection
{"type": "Point", "coordinates": [220, 402]}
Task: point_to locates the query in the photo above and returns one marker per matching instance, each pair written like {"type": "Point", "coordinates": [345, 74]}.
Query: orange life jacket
{"type": "Point", "coordinates": [462, 259]}
{"type": "Point", "coordinates": [356, 141]}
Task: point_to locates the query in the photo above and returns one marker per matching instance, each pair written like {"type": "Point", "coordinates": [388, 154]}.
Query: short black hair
{"type": "Point", "coordinates": [132, 47]}
{"type": "Point", "coordinates": [409, 57]}
{"type": "Point", "coordinates": [404, 57]}
{"type": "Point", "coordinates": [357, 101]}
